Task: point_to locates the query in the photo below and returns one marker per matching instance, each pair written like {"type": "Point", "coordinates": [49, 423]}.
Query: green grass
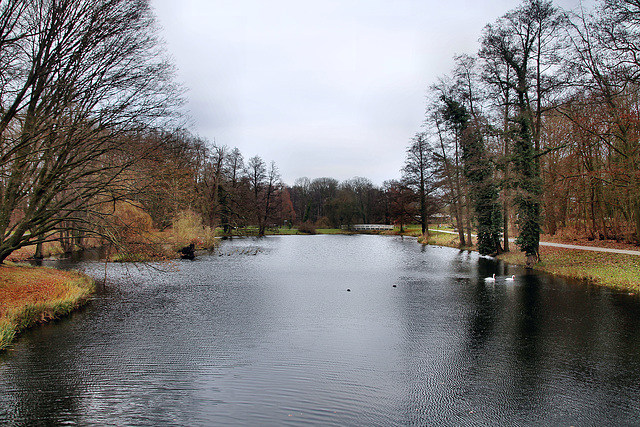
{"type": "Point", "coordinates": [409, 230]}
{"type": "Point", "coordinates": [618, 271]}
{"type": "Point", "coordinates": [331, 231]}
{"type": "Point", "coordinates": [436, 238]}
{"type": "Point", "coordinates": [284, 231]}
{"type": "Point", "coordinates": [7, 333]}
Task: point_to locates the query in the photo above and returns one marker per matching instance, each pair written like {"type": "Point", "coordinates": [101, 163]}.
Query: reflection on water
{"type": "Point", "coordinates": [263, 332]}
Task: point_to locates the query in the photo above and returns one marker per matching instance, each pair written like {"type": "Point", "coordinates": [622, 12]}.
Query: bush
{"type": "Point", "coordinates": [188, 228]}
{"type": "Point", "coordinates": [323, 223]}
{"type": "Point", "coordinates": [307, 227]}
{"type": "Point", "coordinates": [132, 216]}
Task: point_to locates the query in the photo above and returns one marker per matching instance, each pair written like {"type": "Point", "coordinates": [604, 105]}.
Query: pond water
{"type": "Point", "coordinates": [330, 330]}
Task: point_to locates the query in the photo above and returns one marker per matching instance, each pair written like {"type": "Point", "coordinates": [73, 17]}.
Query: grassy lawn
{"type": "Point", "coordinates": [409, 230]}
{"type": "Point", "coordinates": [444, 239]}
{"type": "Point", "coordinates": [32, 295]}
{"type": "Point", "coordinates": [331, 231]}
{"type": "Point", "coordinates": [284, 231]}
{"type": "Point", "coordinates": [293, 231]}
{"type": "Point", "coordinates": [617, 271]}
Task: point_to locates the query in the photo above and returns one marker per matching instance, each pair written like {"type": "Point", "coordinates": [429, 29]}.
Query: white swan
{"type": "Point", "coordinates": [490, 279]}
{"type": "Point", "coordinates": [511, 279]}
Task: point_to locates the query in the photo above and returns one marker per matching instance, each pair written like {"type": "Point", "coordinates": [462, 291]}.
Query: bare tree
{"type": "Point", "coordinates": [271, 192]}
{"type": "Point", "coordinates": [401, 201]}
{"type": "Point", "coordinates": [605, 63]}
{"type": "Point", "coordinates": [448, 154]}
{"type": "Point", "coordinates": [81, 79]}
{"type": "Point", "coordinates": [321, 190]}
{"type": "Point", "coordinates": [361, 190]}
{"type": "Point", "coordinates": [211, 184]}
{"type": "Point", "coordinates": [231, 192]}
{"type": "Point", "coordinates": [265, 185]}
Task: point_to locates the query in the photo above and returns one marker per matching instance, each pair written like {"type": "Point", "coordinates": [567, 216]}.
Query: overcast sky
{"type": "Point", "coordinates": [330, 88]}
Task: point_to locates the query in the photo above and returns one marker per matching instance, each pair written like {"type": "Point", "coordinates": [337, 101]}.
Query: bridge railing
{"type": "Point", "coordinates": [371, 227]}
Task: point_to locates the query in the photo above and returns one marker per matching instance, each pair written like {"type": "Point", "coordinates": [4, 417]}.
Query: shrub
{"type": "Point", "coordinates": [307, 227]}
{"type": "Point", "coordinates": [132, 217]}
{"type": "Point", "coordinates": [323, 223]}
{"type": "Point", "coordinates": [188, 228]}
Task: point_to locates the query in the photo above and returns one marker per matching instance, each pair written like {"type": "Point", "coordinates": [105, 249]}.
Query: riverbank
{"type": "Point", "coordinates": [34, 295]}
{"type": "Point", "coordinates": [617, 271]}
{"type": "Point", "coordinates": [283, 231]}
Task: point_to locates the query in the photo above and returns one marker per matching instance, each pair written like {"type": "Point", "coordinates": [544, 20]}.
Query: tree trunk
{"type": "Point", "coordinates": [459, 225]}
{"type": "Point", "coordinates": [468, 212]}
{"type": "Point", "coordinates": [65, 242]}
{"type": "Point", "coordinates": [39, 254]}
{"type": "Point", "coordinates": [506, 223]}
{"type": "Point", "coordinates": [636, 214]}
{"type": "Point", "coordinates": [506, 173]}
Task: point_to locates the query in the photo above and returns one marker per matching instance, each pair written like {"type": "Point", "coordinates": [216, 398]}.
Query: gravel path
{"type": "Point", "coordinates": [562, 245]}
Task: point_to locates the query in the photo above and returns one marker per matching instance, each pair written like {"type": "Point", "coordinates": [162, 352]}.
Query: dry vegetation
{"type": "Point", "coordinates": [32, 295]}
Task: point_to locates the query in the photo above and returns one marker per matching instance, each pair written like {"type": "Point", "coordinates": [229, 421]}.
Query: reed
{"type": "Point", "coordinates": [7, 333]}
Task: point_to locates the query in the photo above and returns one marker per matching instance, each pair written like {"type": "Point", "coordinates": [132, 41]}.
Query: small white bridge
{"type": "Point", "coordinates": [371, 227]}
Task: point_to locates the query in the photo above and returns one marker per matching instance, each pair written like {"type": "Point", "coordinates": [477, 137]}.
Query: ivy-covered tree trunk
{"type": "Point", "coordinates": [524, 43]}
{"type": "Point", "coordinates": [479, 172]}
{"type": "Point", "coordinates": [528, 191]}
{"type": "Point", "coordinates": [484, 193]}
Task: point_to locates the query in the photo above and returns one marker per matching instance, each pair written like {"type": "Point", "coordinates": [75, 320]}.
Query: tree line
{"type": "Point", "coordinates": [92, 142]}
{"type": "Point", "coordinates": [537, 131]}
{"type": "Point", "coordinates": [82, 83]}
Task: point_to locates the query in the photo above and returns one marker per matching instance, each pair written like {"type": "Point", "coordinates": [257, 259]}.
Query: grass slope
{"type": "Point", "coordinates": [33, 295]}
{"type": "Point", "coordinates": [616, 271]}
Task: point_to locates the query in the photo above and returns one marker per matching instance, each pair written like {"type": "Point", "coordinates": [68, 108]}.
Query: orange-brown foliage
{"type": "Point", "coordinates": [24, 285]}
{"type": "Point", "coordinates": [133, 216]}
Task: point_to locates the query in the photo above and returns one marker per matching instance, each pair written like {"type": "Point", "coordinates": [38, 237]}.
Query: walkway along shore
{"type": "Point", "coordinates": [563, 245]}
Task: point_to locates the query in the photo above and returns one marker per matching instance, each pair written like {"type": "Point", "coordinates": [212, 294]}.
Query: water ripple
{"type": "Point", "coordinates": [263, 332]}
